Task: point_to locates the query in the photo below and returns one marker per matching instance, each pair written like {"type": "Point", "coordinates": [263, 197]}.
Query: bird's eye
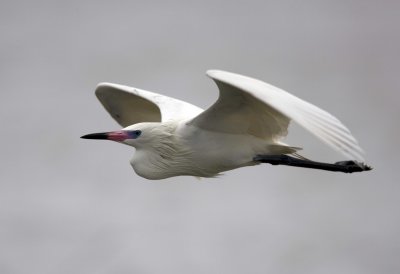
{"type": "Point", "coordinates": [138, 133]}
{"type": "Point", "coordinates": [134, 134]}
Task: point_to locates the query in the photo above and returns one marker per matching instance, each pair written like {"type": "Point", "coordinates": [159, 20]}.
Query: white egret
{"type": "Point", "coordinates": [244, 127]}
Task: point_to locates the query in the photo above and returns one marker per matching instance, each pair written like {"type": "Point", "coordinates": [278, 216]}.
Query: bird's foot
{"type": "Point", "coordinates": [354, 166]}
{"type": "Point", "coordinates": [342, 166]}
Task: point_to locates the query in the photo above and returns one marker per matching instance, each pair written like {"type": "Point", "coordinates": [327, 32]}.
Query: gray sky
{"type": "Point", "coordinates": [72, 206]}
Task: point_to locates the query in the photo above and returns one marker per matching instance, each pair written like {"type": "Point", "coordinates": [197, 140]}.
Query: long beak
{"type": "Point", "coordinates": [119, 136]}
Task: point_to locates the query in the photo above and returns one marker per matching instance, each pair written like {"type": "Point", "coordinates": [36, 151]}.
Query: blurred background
{"type": "Point", "coordinates": [69, 205]}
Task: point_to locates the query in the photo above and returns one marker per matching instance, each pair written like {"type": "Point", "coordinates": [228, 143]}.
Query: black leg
{"type": "Point", "coordinates": [342, 166]}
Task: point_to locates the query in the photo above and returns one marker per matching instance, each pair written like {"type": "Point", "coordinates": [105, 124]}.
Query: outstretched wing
{"type": "Point", "coordinates": [129, 105]}
{"type": "Point", "coordinates": [249, 106]}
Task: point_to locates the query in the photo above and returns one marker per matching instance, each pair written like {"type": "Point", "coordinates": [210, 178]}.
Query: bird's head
{"type": "Point", "coordinates": [130, 135]}
{"type": "Point", "coordinates": [137, 135]}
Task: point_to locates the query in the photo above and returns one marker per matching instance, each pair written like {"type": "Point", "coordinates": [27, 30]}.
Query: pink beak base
{"type": "Point", "coordinates": [118, 136]}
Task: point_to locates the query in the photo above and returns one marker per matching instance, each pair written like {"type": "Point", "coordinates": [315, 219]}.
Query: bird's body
{"type": "Point", "coordinates": [250, 118]}
{"type": "Point", "coordinates": [180, 149]}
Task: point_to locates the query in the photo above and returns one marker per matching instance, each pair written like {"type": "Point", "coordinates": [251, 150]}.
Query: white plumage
{"type": "Point", "coordinates": [249, 118]}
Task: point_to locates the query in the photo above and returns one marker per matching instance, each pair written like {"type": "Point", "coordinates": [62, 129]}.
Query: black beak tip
{"type": "Point", "coordinates": [100, 136]}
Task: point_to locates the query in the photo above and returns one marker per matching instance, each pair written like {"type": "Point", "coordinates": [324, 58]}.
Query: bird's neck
{"type": "Point", "coordinates": [162, 156]}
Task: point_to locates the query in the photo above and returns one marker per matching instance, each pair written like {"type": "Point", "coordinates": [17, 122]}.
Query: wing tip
{"type": "Point", "coordinates": [231, 78]}
{"type": "Point", "coordinates": [104, 88]}
{"type": "Point", "coordinates": [212, 72]}
{"type": "Point", "coordinates": [101, 84]}
{"type": "Point", "coordinates": [111, 85]}
{"type": "Point", "coordinates": [101, 87]}
{"type": "Point", "coordinates": [217, 73]}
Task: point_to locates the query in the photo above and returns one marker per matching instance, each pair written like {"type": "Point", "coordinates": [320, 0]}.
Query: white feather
{"type": "Point", "coordinates": [130, 106]}
{"type": "Point", "coordinates": [260, 109]}
{"type": "Point", "coordinates": [249, 118]}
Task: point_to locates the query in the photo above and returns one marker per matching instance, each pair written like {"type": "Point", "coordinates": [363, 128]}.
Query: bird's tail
{"type": "Point", "coordinates": [298, 156]}
{"type": "Point", "coordinates": [282, 149]}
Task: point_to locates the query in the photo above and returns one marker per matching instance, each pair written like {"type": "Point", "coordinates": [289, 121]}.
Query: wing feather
{"type": "Point", "coordinates": [247, 105]}
{"type": "Point", "coordinates": [128, 105]}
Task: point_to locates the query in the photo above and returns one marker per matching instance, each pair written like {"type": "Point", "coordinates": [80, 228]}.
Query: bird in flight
{"type": "Point", "coordinates": [244, 127]}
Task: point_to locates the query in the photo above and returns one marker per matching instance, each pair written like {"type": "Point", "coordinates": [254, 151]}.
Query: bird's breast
{"type": "Point", "coordinates": [153, 166]}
